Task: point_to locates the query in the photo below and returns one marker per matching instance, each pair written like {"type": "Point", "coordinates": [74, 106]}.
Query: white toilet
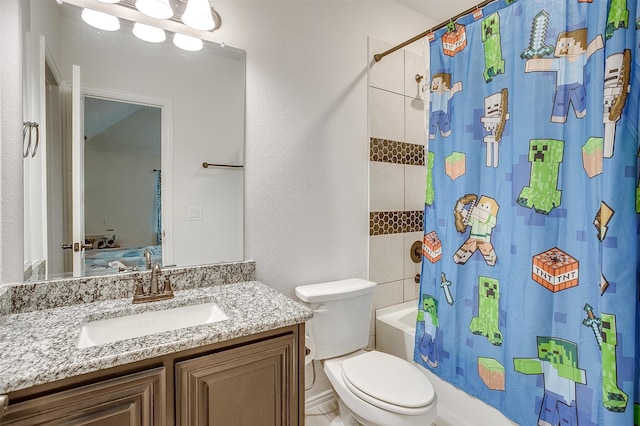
{"type": "Point", "coordinates": [374, 388]}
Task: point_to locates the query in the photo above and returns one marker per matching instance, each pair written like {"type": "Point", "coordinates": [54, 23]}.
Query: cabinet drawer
{"type": "Point", "coordinates": [135, 399]}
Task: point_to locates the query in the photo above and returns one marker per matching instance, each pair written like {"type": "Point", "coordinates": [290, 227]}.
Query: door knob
{"type": "Point", "coordinates": [67, 247]}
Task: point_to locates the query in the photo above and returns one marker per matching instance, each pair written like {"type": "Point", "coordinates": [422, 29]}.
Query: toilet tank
{"type": "Point", "coordinates": [342, 315]}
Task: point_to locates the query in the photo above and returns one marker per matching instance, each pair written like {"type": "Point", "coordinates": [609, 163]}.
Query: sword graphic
{"type": "Point", "coordinates": [445, 287]}
{"type": "Point", "coordinates": [537, 47]}
{"type": "Point", "coordinates": [594, 322]}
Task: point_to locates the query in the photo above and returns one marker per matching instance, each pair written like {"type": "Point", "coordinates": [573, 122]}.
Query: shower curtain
{"type": "Point", "coordinates": [529, 284]}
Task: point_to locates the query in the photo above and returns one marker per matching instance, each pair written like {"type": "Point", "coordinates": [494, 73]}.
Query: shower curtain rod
{"type": "Point", "coordinates": [378, 56]}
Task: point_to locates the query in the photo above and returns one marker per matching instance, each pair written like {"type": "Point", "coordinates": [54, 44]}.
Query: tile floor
{"type": "Point", "coordinates": [323, 415]}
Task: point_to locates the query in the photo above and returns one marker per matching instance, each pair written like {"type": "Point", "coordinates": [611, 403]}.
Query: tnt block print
{"type": "Point", "coordinates": [455, 165]}
{"type": "Point", "coordinates": [454, 41]}
{"type": "Point", "coordinates": [491, 372]}
{"type": "Point", "coordinates": [592, 155]}
{"type": "Point", "coordinates": [555, 270]}
{"type": "Point", "coordinates": [432, 247]}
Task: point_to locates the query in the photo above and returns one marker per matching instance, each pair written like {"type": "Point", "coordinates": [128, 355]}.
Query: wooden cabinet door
{"type": "Point", "coordinates": [135, 399]}
{"type": "Point", "coordinates": [248, 385]}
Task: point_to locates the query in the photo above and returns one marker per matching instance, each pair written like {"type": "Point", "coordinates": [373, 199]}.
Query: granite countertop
{"type": "Point", "coordinates": [42, 346]}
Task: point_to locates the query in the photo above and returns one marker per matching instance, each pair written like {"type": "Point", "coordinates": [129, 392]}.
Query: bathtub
{"type": "Point", "coordinates": [395, 330]}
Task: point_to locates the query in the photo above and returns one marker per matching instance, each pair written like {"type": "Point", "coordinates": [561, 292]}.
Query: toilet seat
{"type": "Point", "coordinates": [388, 382]}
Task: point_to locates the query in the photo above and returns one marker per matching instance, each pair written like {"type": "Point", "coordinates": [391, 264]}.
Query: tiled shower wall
{"type": "Point", "coordinates": [396, 172]}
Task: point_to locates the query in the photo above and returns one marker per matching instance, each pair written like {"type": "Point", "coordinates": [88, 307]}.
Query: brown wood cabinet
{"type": "Point", "coordinates": [249, 385]}
{"type": "Point", "coordinates": [134, 399]}
{"type": "Point", "coordinates": [250, 381]}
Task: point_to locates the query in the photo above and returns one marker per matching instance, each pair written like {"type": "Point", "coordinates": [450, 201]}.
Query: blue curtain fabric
{"type": "Point", "coordinates": [529, 284]}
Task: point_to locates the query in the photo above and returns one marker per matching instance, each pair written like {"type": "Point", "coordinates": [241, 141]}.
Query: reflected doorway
{"type": "Point", "coordinates": [122, 184]}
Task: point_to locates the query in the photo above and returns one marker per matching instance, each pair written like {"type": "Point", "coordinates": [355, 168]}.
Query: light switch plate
{"type": "Point", "coordinates": [194, 213]}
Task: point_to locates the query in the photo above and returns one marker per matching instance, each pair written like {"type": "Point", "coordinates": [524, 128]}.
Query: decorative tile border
{"type": "Point", "coordinates": [33, 296]}
{"type": "Point", "coordinates": [388, 151]}
{"type": "Point", "coordinates": [398, 222]}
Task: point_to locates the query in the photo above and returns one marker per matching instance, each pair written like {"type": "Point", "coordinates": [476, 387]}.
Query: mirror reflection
{"type": "Point", "coordinates": [134, 195]}
{"type": "Point", "coordinates": [121, 168]}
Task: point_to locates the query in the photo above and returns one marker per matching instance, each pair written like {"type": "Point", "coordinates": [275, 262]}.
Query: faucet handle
{"type": "Point", "coordinates": [167, 289]}
{"type": "Point", "coordinates": [139, 290]}
{"type": "Point", "coordinates": [138, 282]}
{"type": "Point", "coordinates": [167, 281]}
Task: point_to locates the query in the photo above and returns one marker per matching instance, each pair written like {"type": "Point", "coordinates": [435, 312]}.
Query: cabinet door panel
{"type": "Point", "coordinates": [249, 385]}
{"type": "Point", "coordinates": [135, 399]}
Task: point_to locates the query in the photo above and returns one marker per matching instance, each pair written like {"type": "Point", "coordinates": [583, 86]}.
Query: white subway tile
{"type": "Point", "coordinates": [414, 65]}
{"type": "Point", "coordinates": [385, 258]}
{"type": "Point", "coordinates": [387, 74]}
{"type": "Point", "coordinates": [388, 294]}
{"type": "Point", "coordinates": [414, 124]}
{"type": "Point", "coordinates": [386, 115]}
{"type": "Point", "coordinates": [414, 187]}
{"type": "Point", "coordinates": [386, 187]}
{"type": "Point", "coordinates": [411, 289]}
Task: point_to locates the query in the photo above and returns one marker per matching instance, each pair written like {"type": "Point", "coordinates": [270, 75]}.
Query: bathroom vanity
{"type": "Point", "coordinates": [247, 369]}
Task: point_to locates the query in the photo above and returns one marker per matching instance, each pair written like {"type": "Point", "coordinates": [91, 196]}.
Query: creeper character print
{"type": "Point", "coordinates": [486, 323]}
{"type": "Point", "coordinates": [545, 156]}
{"type": "Point", "coordinates": [493, 62]}
{"type": "Point", "coordinates": [613, 398]}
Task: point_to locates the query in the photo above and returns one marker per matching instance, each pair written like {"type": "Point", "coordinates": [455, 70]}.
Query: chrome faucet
{"type": "Point", "coordinates": [154, 294]}
{"type": "Point", "coordinates": [147, 258]}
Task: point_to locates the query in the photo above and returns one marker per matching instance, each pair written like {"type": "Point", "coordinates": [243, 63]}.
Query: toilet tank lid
{"type": "Point", "coordinates": [334, 290]}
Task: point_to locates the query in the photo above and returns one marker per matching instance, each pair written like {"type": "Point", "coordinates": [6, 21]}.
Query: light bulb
{"type": "Point", "coordinates": [197, 15]}
{"type": "Point", "coordinates": [100, 20]}
{"type": "Point", "coordinates": [186, 42]}
{"type": "Point", "coordinates": [149, 33]}
{"type": "Point", "coordinates": [159, 9]}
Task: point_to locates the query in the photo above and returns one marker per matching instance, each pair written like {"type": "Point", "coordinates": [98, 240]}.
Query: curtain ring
{"type": "Point", "coordinates": [26, 125]}
{"type": "Point", "coordinates": [35, 148]}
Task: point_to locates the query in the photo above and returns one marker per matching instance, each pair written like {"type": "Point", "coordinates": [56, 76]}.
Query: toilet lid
{"type": "Point", "coordinates": [387, 378]}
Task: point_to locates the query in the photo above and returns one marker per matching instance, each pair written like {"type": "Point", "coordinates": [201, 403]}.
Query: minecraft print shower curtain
{"type": "Point", "coordinates": [529, 284]}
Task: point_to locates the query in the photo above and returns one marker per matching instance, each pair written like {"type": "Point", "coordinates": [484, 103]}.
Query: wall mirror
{"type": "Point", "coordinates": [152, 114]}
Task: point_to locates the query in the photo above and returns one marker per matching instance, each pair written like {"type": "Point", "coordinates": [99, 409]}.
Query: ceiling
{"type": "Point", "coordinates": [439, 10]}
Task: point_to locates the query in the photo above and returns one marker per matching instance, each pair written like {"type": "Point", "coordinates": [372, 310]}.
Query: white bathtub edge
{"type": "Point", "coordinates": [397, 339]}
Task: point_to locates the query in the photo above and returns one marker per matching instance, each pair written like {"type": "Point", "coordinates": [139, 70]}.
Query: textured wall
{"type": "Point", "coordinates": [307, 145]}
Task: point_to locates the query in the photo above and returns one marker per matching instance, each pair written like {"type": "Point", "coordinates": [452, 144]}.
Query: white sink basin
{"type": "Point", "coordinates": [115, 329]}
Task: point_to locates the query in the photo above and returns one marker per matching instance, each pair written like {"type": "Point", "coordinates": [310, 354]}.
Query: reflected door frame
{"type": "Point", "coordinates": [166, 107]}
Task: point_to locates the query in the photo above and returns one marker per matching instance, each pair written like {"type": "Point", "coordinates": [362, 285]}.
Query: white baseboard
{"type": "Point", "coordinates": [316, 401]}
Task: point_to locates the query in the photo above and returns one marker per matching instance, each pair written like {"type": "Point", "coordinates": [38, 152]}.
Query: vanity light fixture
{"type": "Point", "coordinates": [100, 20]}
{"type": "Point", "coordinates": [159, 9]}
{"type": "Point", "coordinates": [197, 15]}
{"type": "Point", "coordinates": [186, 42]}
{"type": "Point", "coordinates": [191, 21]}
{"type": "Point", "coordinates": [149, 33]}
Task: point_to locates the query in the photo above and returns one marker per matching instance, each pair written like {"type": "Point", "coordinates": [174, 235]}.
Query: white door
{"type": "Point", "coordinates": [77, 174]}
